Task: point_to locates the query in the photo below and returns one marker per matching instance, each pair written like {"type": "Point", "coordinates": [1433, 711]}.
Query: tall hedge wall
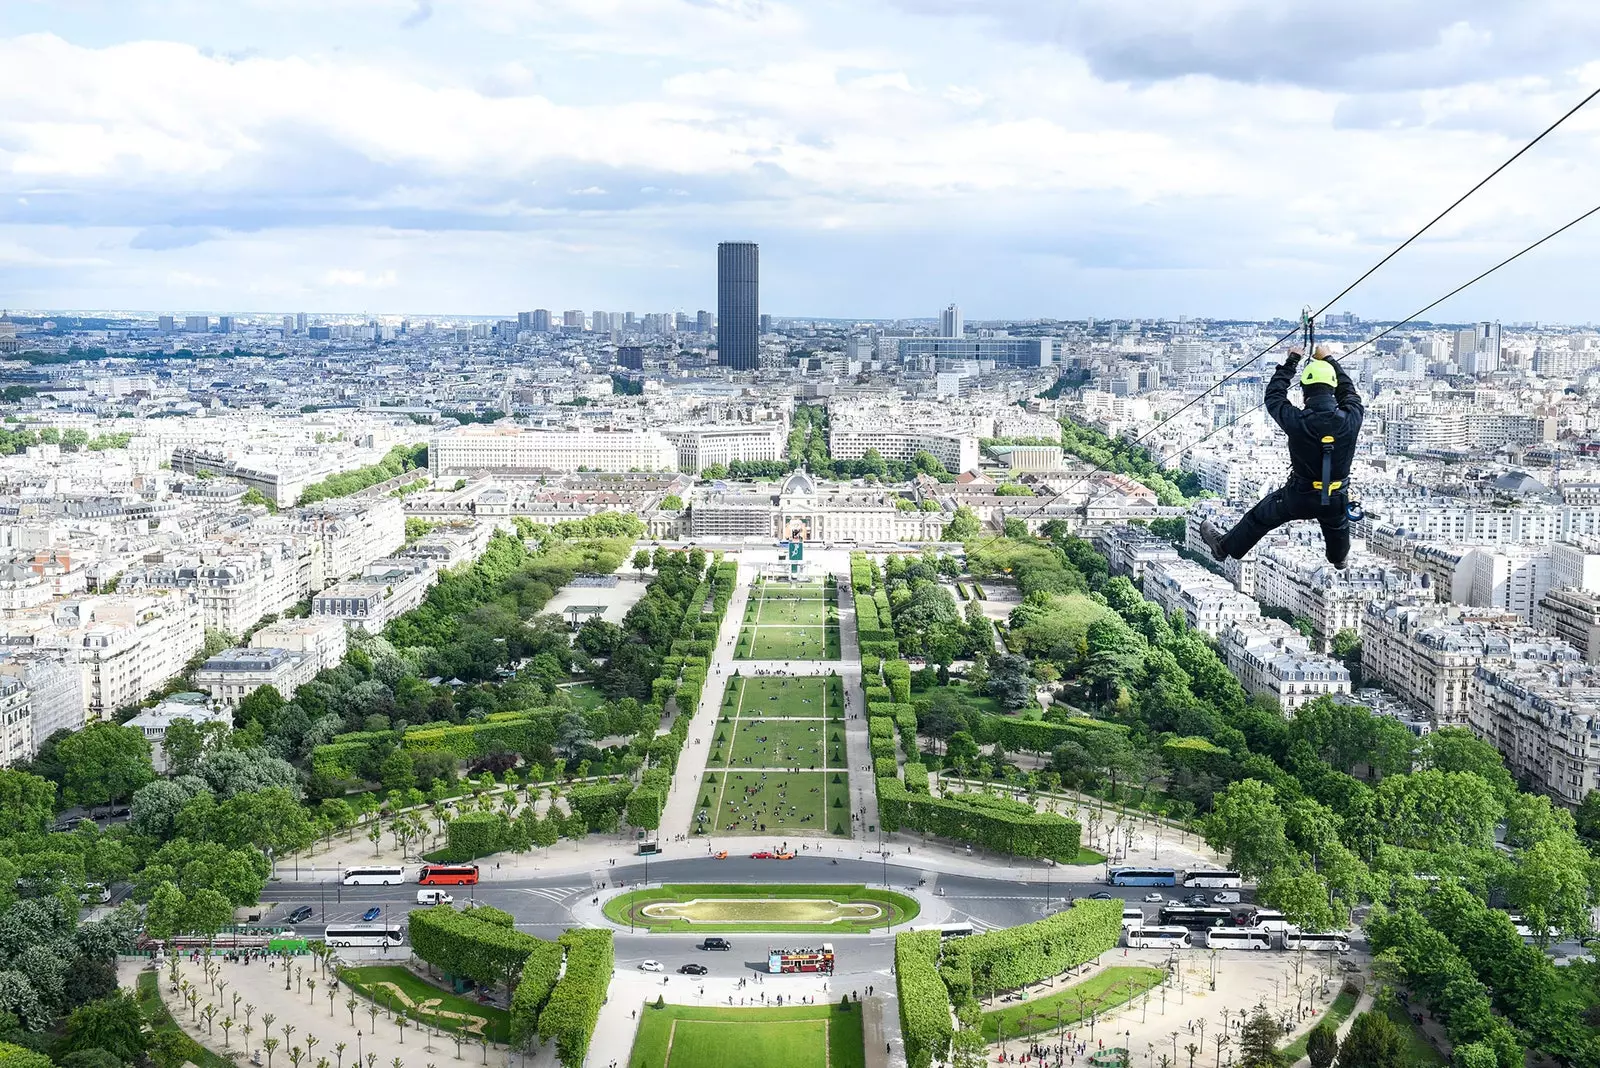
{"type": "Point", "coordinates": [469, 943]}
{"type": "Point", "coordinates": [924, 1003]}
{"type": "Point", "coordinates": [574, 1006]}
{"type": "Point", "coordinates": [1016, 956]}
{"type": "Point", "coordinates": [992, 822]}
{"type": "Point", "coordinates": [539, 975]}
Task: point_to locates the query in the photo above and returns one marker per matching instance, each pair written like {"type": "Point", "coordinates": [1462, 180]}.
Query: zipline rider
{"type": "Point", "coordinates": [1322, 443]}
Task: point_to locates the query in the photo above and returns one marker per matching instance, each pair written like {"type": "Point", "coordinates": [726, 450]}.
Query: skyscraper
{"type": "Point", "coordinates": [950, 324]}
{"type": "Point", "coordinates": [738, 305]}
{"type": "Point", "coordinates": [541, 320]}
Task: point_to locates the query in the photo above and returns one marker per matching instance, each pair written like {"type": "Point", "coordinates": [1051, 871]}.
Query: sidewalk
{"type": "Point", "coordinates": [857, 741]}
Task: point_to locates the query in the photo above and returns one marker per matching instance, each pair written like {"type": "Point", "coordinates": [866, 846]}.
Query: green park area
{"type": "Point", "coordinates": [790, 622]}
{"type": "Point", "coordinates": [402, 992]}
{"type": "Point", "coordinates": [802, 1036]}
{"type": "Point", "coordinates": [1064, 1008]}
{"type": "Point", "coordinates": [784, 697]}
{"type": "Point", "coordinates": [821, 909]}
{"type": "Point", "coordinates": [758, 802]}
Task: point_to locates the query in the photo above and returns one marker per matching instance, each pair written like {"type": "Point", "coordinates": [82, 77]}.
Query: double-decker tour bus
{"type": "Point", "coordinates": [820, 960]}
{"type": "Point", "coordinates": [1143, 877]}
{"type": "Point", "coordinates": [1213, 878]}
{"type": "Point", "coordinates": [364, 934]}
{"type": "Point", "coordinates": [1238, 938]}
{"type": "Point", "coordinates": [228, 940]}
{"type": "Point", "coordinates": [1156, 937]}
{"type": "Point", "coordinates": [448, 875]}
{"type": "Point", "coordinates": [369, 875]}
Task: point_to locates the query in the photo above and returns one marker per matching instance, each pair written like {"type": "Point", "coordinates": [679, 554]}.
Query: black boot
{"type": "Point", "coordinates": [1213, 539]}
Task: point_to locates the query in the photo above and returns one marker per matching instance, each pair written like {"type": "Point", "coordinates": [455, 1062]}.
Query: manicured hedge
{"type": "Point", "coordinates": [1016, 956]}
{"type": "Point", "coordinates": [475, 834]}
{"type": "Point", "coordinates": [469, 943]}
{"type": "Point", "coordinates": [1040, 736]}
{"type": "Point", "coordinates": [880, 727]}
{"type": "Point", "coordinates": [877, 694]}
{"type": "Point", "coordinates": [884, 650]}
{"type": "Point", "coordinates": [916, 779]}
{"type": "Point", "coordinates": [924, 1002]}
{"type": "Point", "coordinates": [885, 767]}
{"type": "Point", "coordinates": [574, 1006]}
{"type": "Point", "coordinates": [539, 975]}
{"type": "Point", "coordinates": [992, 822]}
{"type": "Point", "coordinates": [595, 802]}
{"type": "Point", "coordinates": [883, 747]}
{"type": "Point", "coordinates": [898, 672]}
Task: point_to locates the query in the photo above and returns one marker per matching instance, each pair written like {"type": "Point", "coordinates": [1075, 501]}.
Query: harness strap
{"type": "Point", "coordinates": [1327, 482]}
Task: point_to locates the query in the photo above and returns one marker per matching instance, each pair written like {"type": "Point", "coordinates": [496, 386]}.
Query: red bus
{"type": "Point", "coordinates": [448, 875]}
{"type": "Point", "coordinates": [801, 960]}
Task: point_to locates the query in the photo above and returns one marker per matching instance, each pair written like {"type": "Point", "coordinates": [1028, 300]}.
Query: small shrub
{"type": "Point", "coordinates": [844, 1003]}
{"type": "Point", "coordinates": [661, 1001]}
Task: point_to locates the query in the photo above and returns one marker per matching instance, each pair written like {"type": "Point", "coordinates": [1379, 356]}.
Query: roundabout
{"type": "Point", "coordinates": [761, 907]}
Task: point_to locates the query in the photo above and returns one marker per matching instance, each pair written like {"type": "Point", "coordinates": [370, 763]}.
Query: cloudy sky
{"type": "Point", "coordinates": [1022, 157]}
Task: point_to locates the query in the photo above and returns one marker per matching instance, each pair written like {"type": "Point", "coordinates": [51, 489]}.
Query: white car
{"type": "Point", "coordinates": [650, 966]}
{"type": "Point", "coordinates": [1154, 897]}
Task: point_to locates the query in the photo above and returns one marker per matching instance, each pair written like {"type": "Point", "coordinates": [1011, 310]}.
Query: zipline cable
{"type": "Point", "coordinates": [1336, 298]}
{"type": "Point", "coordinates": [1387, 331]}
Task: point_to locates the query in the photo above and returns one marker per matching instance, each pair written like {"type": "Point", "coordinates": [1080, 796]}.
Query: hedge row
{"type": "Point", "coordinates": [862, 573]}
{"type": "Point", "coordinates": [992, 822]}
{"type": "Point", "coordinates": [880, 727]}
{"type": "Point", "coordinates": [574, 1006]}
{"type": "Point", "coordinates": [1017, 956]}
{"type": "Point", "coordinates": [595, 801]}
{"type": "Point", "coordinates": [883, 747]}
{"type": "Point", "coordinates": [475, 834]}
{"type": "Point", "coordinates": [916, 778]}
{"type": "Point", "coordinates": [1040, 736]}
{"type": "Point", "coordinates": [474, 943]}
{"type": "Point", "coordinates": [924, 1002]}
{"type": "Point", "coordinates": [539, 975]}
{"type": "Point", "coordinates": [898, 674]}
{"type": "Point", "coordinates": [885, 767]}
{"type": "Point", "coordinates": [886, 650]}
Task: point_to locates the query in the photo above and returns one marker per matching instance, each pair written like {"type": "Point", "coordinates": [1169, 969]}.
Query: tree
{"type": "Point", "coordinates": [207, 912]}
{"type": "Point", "coordinates": [1550, 886]}
{"type": "Point", "coordinates": [1258, 1040]}
{"type": "Point", "coordinates": [963, 526]}
{"type": "Point", "coordinates": [165, 912]}
{"type": "Point", "coordinates": [1010, 682]}
{"type": "Point", "coordinates": [114, 1024]}
{"type": "Point", "coordinates": [641, 562]}
{"type": "Point", "coordinates": [105, 762]}
{"type": "Point", "coordinates": [672, 503]}
{"type": "Point", "coordinates": [572, 734]}
{"type": "Point", "coordinates": [1373, 1041]}
{"type": "Point", "coordinates": [1322, 1045]}
{"type": "Point", "coordinates": [181, 746]}
{"type": "Point", "coordinates": [27, 803]}
{"type": "Point", "coordinates": [398, 772]}
{"type": "Point", "coordinates": [1247, 822]}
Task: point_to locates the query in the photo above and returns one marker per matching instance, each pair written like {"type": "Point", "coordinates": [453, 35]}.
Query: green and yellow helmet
{"type": "Point", "coordinates": [1318, 373]}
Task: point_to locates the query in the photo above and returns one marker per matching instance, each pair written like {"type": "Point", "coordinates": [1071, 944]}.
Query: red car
{"type": "Point", "coordinates": [763, 855]}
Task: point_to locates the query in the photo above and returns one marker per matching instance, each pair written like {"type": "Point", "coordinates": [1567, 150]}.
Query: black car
{"type": "Point", "coordinates": [716, 943]}
{"type": "Point", "coordinates": [693, 969]}
{"type": "Point", "coordinates": [1101, 896]}
{"type": "Point", "coordinates": [301, 914]}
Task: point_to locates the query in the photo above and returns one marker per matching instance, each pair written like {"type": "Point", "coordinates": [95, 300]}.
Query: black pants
{"type": "Point", "coordinates": [1293, 501]}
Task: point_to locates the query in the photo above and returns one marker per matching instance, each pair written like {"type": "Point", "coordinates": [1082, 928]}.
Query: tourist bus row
{"type": "Point", "coordinates": [428, 875]}
{"type": "Point", "coordinates": [1194, 878]}
{"type": "Point", "coordinates": [1166, 936]}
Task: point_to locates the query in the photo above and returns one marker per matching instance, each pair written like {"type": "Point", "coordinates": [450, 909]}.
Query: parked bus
{"type": "Point", "coordinates": [1133, 917]}
{"type": "Point", "coordinates": [801, 960]}
{"type": "Point", "coordinates": [373, 876]}
{"type": "Point", "coordinates": [1216, 878]}
{"type": "Point", "coordinates": [1156, 937]}
{"type": "Point", "coordinates": [949, 930]}
{"type": "Point", "coordinates": [448, 875]}
{"type": "Point", "coordinates": [364, 934]}
{"type": "Point", "coordinates": [1267, 919]}
{"type": "Point", "coordinates": [1238, 938]}
{"type": "Point", "coordinates": [1143, 877]}
{"type": "Point", "coordinates": [1196, 919]}
{"type": "Point", "coordinates": [1294, 938]}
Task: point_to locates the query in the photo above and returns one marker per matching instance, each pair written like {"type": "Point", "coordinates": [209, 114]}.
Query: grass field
{"type": "Point", "coordinates": [1333, 1017]}
{"type": "Point", "coordinates": [399, 988]}
{"type": "Point", "coordinates": [784, 622]}
{"type": "Point", "coordinates": [1108, 989]}
{"type": "Point", "coordinates": [694, 1036]}
{"type": "Point", "coordinates": [148, 990]}
{"type": "Point", "coordinates": [777, 759]}
{"type": "Point", "coordinates": [761, 908]}
{"type": "Point", "coordinates": [1419, 1051]}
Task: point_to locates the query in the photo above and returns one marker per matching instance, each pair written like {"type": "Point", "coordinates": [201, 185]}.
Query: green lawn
{"type": "Point", "coordinates": [742, 802]}
{"type": "Point", "coordinates": [1420, 1052]}
{"type": "Point", "coordinates": [425, 1003]}
{"type": "Point", "coordinates": [148, 991]}
{"type": "Point", "coordinates": [772, 697]}
{"type": "Point", "coordinates": [622, 908]}
{"type": "Point", "coordinates": [1108, 989]}
{"type": "Point", "coordinates": [777, 743]}
{"type": "Point", "coordinates": [693, 1036]}
{"type": "Point", "coordinates": [585, 695]}
{"type": "Point", "coordinates": [1333, 1017]}
{"type": "Point", "coordinates": [787, 643]}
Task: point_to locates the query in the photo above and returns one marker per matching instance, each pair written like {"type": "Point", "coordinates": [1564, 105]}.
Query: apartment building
{"type": "Point", "coordinates": [235, 588]}
{"type": "Point", "coordinates": [234, 674]}
{"type": "Point", "coordinates": [154, 722]}
{"type": "Point", "coordinates": [54, 684]}
{"type": "Point", "coordinates": [1572, 615]}
{"type": "Point", "coordinates": [1207, 601]}
{"type": "Point", "coordinates": [1545, 720]}
{"type": "Point", "coordinates": [1270, 657]}
{"type": "Point", "coordinates": [353, 532]}
{"type": "Point", "coordinates": [1130, 550]}
{"type": "Point", "coordinates": [16, 722]}
{"type": "Point", "coordinates": [384, 590]}
{"type": "Point", "coordinates": [1299, 579]}
{"type": "Point", "coordinates": [699, 447]}
{"type": "Point", "coordinates": [957, 450]}
{"type": "Point", "coordinates": [1428, 653]}
{"type": "Point", "coordinates": [324, 641]}
{"type": "Point", "coordinates": [479, 450]}
{"type": "Point", "coordinates": [1456, 522]}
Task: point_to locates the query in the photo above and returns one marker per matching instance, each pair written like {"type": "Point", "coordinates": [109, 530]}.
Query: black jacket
{"type": "Point", "coordinates": [1339, 415]}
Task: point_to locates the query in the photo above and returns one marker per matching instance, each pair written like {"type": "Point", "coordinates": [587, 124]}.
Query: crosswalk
{"type": "Point", "coordinates": [558, 894]}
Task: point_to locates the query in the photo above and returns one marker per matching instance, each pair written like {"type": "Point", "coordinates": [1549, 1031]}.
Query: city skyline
{"type": "Point", "coordinates": [1080, 163]}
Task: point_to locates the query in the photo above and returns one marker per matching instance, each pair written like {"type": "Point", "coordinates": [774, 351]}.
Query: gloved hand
{"type": "Point", "coordinates": [1293, 359]}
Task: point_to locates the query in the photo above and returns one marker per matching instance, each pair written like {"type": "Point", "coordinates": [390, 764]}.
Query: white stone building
{"type": "Point", "coordinates": [323, 640]}
{"type": "Point", "coordinates": [16, 722]}
{"type": "Point", "coordinates": [1545, 720]}
{"type": "Point", "coordinates": [1206, 601]}
{"type": "Point", "coordinates": [1270, 657]}
{"type": "Point", "coordinates": [234, 674]}
{"type": "Point", "coordinates": [481, 451]}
